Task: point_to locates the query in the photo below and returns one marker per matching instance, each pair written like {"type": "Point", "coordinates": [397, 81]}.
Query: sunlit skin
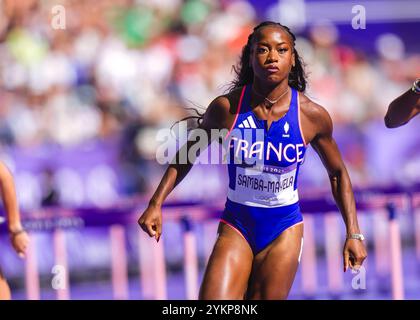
{"type": "Point", "coordinates": [233, 272]}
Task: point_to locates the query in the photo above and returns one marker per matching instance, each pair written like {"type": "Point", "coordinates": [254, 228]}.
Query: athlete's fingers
{"type": "Point", "coordinates": [147, 227]}
{"type": "Point", "coordinates": [358, 260]}
{"type": "Point", "coordinates": [23, 248]}
{"type": "Point", "coordinates": [158, 229]}
{"type": "Point", "coordinates": [346, 260]}
{"type": "Point", "coordinates": [150, 229]}
{"type": "Point", "coordinates": [140, 222]}
{"type": "Point", "coordinates": [352, 261]}
{"type": "Point", "coordinates": [20, 249]}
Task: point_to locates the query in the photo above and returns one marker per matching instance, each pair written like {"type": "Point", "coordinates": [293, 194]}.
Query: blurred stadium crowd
{"type": "Point", "coordinates": [121, 70]}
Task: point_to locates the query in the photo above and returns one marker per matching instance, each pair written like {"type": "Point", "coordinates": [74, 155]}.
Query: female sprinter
{"type": "Point", "coordinates": [260, 234]}
{"type": "Point", "coordinates": [18, 236]}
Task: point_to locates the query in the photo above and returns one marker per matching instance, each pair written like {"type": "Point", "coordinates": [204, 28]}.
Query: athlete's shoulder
{"type": "Point", "coordinates": [222, 108]}
{"type": "Point", "coordinates": [228, 102]}
{"type": "Point", "coordinates": [316, 114]}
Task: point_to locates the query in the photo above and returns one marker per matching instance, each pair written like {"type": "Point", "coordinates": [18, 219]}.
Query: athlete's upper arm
{"type": "Point", "coordinates": [323, 142]}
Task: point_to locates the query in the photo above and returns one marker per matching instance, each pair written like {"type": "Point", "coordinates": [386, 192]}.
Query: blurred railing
{"type": "Point", "coordinates": [383, 204]}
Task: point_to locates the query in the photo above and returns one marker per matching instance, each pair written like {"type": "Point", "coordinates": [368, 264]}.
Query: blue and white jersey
{"type": "Point", "coordinates": [264, 162]}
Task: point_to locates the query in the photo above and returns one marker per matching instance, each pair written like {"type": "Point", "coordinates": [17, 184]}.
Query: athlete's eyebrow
{"type": "Point", "coordinates": [264, 43]}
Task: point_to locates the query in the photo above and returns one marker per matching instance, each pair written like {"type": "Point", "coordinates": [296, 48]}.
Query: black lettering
{"type": "Point", "coordinates": [248, 182]}
{"type": "Point", "coordinates": [261, 185]}
{"type": "Point", "coordinates": [290, 181]}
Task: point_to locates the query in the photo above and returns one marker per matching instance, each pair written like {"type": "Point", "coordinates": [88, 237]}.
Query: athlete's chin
{"type": "Point", "coordinates": [274, 78]}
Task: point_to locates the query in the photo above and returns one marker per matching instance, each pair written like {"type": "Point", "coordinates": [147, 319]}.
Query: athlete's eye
{"type": "Point", "coordinates": [261, 50]}
{"type": "Point", "coordinates": [282, 50]}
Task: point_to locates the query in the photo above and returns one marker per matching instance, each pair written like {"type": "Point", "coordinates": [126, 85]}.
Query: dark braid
{"type": "Point", "coordinates": [245, 74]}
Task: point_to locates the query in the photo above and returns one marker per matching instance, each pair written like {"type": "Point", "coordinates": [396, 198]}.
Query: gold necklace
{"type": "Point", "coordinates": [267, 102]}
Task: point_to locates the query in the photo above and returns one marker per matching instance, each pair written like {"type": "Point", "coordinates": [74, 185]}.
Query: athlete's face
{"type": "Point", "coordinates": [272, 54]}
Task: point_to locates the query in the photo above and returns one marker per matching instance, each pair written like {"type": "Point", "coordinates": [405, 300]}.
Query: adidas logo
{"type": "Point", "coordinates": [248, 123]}
{"type": "Point", "coordinates": [286, 130]}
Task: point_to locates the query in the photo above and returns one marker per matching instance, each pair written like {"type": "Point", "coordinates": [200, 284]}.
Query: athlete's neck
{"type": "Point", "coordinates": [272, 92]}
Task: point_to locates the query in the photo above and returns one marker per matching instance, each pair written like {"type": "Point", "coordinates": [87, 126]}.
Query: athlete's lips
{"type": "Point", "coordinates": [272, 68]}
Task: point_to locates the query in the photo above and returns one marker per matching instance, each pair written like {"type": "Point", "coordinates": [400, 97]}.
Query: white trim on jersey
{"type": "Point", "coordinates": [244, 124]}
{"type": "Point", "coordinates": [248, 123]}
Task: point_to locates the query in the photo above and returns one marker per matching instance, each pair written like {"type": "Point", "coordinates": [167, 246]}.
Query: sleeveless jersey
{"type": "Point", "coordinates": [264, 162]}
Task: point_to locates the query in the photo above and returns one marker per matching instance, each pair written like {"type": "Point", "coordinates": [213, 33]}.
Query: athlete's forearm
{"type": "Point", "coordinates": [402, 109]}
{"type": "Point", "coordinates": [174, 174]}
{"type": "Point", "coordinates": [8, 195]}
{"type": "Point", "coordinates": [344, 197]}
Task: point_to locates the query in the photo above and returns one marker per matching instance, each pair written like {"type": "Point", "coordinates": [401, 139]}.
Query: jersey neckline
{"type": "Point", "coordinates": [247, 102]}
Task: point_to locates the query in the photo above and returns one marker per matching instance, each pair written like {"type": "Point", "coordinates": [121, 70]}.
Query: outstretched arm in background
{"type": "Point", "coordinates": [402, 109]}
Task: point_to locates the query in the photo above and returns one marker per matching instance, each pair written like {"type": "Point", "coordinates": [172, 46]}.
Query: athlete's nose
{"type": "Point", "coordinates": [272, 56]}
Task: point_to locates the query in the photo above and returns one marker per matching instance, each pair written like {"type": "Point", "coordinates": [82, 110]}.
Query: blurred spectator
{"type": "Point", "coordinates": [122, 70]}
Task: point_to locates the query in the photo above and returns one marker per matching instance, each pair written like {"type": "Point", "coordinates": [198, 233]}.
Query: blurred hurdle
{"type": "Point", "coordinates": [386, 240]}
{"type": "Point", "coordinates": [31, 270]}
{"type": "Point", "coordinates": [152, 268]}
{"type": "Point", "coordinates": [333, 250]}
{"type": "Point", "coordinates": [396, 255]}
{"type": "Point", "coordinates": [62, 274]}
{"type": "Point", "coordinates": [119, 262]}
{"type": "Point", "coordinates": [190, 260]}
{"type": "Point", "coordinates": [415, 207]}
{"type": "Point", "coordinates": [308, 260]}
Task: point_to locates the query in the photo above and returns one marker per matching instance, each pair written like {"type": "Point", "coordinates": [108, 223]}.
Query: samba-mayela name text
{"type": "Point", "coordinates": [259, 184]}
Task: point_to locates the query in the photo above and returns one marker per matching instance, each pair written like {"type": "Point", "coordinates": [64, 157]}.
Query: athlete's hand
{"type": "Point", "coordinates": [151, 221]}
{"type": "Point", "coordinates": [20, 242]}
{"type": "Point", "coordinates": [354, 254]}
